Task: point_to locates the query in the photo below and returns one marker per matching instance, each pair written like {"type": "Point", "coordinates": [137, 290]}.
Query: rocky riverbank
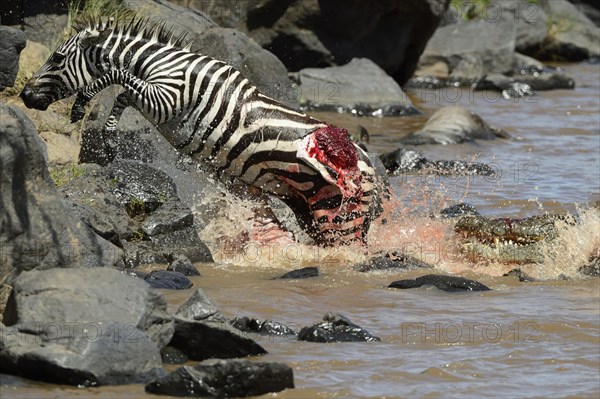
{"type": "Point", "coordinates": [82, 211]}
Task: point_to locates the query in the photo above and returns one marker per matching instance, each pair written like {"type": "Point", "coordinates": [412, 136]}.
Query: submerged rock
{"type": "Point", "coordinates": [305, 272]}
{"type": "Point", "coordinates": [168, 280]}
{"type": "Point", "coordinates": [459, 210]}
{"type": "Point", "coordinates": [518, 273]}
{"type": "Point", "coordinates": [200, 340]}
{"type": "Point", "coordinates": [335, 328]}
{"type": "Point", "coordinates": [91, 326]}
{"type": "Point", "coordinates": [266, 327]}
{"type": "Point", "coordinates": [442, 282]}
{"type": "Point", "coordinates": [225, 378]}
{"type": "Point", "coordinates": [393, 260]}
{"type": "Point", "coordinates": [403, 160]}
{"type": "Point", "coordinates": [453, 125]}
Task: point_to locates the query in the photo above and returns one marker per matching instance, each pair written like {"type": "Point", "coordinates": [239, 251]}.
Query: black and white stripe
{"type": "Point", "coordinates": [209, 111]}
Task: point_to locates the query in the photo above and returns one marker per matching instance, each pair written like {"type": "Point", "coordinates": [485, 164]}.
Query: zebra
{"type": "Point", "coordinates": [207, 110]}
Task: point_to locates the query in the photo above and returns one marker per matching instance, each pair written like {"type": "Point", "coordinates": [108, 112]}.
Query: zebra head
{"type": "Point", "coordinates": [73, 65]}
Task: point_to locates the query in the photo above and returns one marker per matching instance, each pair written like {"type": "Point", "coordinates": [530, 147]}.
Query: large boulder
{"type": "Point", "coordinates": [571, 35]}
{"type": "Point", "coordinates": [473, 49]}
{"type": "Point", "coordinates": [359, 87]}
{"type": "Point", "coordinates": [225, 378]}
{"type": "Point", "coordinates": [84, 327]}
{"type": "Point", "coordinates": [313, 33]}
{"type": "Point", "coordinates": [37, 229]}
{"type": "Point", "coordinates": [12, 41]}
{"type": "Point", "coordinates": [136, 206]}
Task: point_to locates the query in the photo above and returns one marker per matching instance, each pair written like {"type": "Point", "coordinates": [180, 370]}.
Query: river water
{"type": "Point", "coordinates": [532, 340]}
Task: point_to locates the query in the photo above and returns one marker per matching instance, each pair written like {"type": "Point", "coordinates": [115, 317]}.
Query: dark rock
{"type": "Point", "coordinates": [305, 272]}
{"type": "Point", "coordinates": [182, 264]}
{"type": "Point", "coordinates": [335, 328]}
{"type": "Point", "coordinates": [403, 160]}
{"type": "Point", "coordinates": [318, 34]}
{"type": "Point", "coordinates": [442, 282]}
{"type": "Point", "coordinates": [258, 65]}
{"type": "Point", "coordinates": [185, 241]}
{"type": "Point", "coordinates": [168, 280]}
{"type": "Point", "coordinates": [225, 378]}
{"type": "Point", "coordinates": [136, 206]}
{"type": "Point", "coordinates": [172, 355]}
{"type": "Point", "coordinates": [359, 87]}
{"type": "Point", "coordinates": [12, 41]}
{"type": "Point", "coordinates": [36, 228]}
{"type": "Point", "coordinates": [459, 210]}
{"type": "Point", "coordinates": [200, 307]}
{"type": "Point", "coordinates": [201, 340]}
{"type": "Point", "coordinates": [88, 326]}
{"type": "Point", "coordinates": [592, 268]}
{"type": "Point", "coordinates": [453, 125]}
{"type": "Point", "coordinates": [169, 217]}
{"type": "Point", "coordinates": [589, 8]}
{"type": "Point", "coordinates": [522, 276]}
{"type": "Point", "coordinates": [266, 327]}
{"type": "Point", "coordinates": [41, 21]}
{"type": "Point", "coordinates": [392, 261]}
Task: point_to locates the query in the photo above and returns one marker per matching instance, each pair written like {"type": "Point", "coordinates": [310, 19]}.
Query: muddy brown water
{"type": "Point", "coordinates": [538, 339]}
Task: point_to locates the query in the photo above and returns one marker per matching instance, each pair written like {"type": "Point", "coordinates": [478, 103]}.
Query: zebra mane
{"type": "Point", "coordinates": [131, 25]}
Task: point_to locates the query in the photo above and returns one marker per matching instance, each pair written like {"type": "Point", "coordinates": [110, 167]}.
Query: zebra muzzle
{"type": "Point", "coordinates": [32, 99]}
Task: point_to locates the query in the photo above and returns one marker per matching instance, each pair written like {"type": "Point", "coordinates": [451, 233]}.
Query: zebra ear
{"type": "Point", "coordinates": [92, 38]}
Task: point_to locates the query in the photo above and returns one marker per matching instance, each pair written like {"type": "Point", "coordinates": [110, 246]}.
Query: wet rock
{"type": "Point", "coordinates": [12, 41]}
{"type": "Point", "coordinates": [335, 328]}
{"type": "Point", "coordinates": [170, 217]}
{"type": "Point", "coordinates": [318, 34]}
{"type": "Point", "coordinates": [592, 268]}
{"type": "Point", "coordinates": [136, 206]}
{"type": "Point", "coordinates": [36, 228]}
{"type": "Point", "coordinates": [453, 125]}
{"type": "Point", "coordinates": [201, 340]}
{"type": "Point", "coordinates": [442, 282]}
{"type": "Point", "coordinates": [172, 355]}
{"type": "Point", "coordinates": [305, 272]}
{"type": "Point", "coordinates": [133, 272]}
{"type": "Point", "coordinates": [393, 260]}
{"type": "Point", "coordinates": [234, 47]}
{"type": "Point", "coordinates": [185, 241]}
{"type": "Point", "coordinates": [225, 378]}
{"type": "Point", "coordinates": [200, 307]}
{"type": "Point", "coordinates": [359, 87]}
{"type": "Point", "coordinates": [518, 273]}
{"type": "Point", "coordinates": [88, 326]}
{"type": "Point", "coordinates": [168, 280]}
{"type": "Point", "coordinates": [459, 210]}
{"type": "Point", "coordinates": [182, 264]}
{"type": "Point", "coordinates": [403, 160]}
{"type": "Point", "coordinates": [266, 327]}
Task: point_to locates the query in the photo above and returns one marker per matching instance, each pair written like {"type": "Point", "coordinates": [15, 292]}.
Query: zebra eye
{"type": "Point", "coordinates": [57, 58]}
